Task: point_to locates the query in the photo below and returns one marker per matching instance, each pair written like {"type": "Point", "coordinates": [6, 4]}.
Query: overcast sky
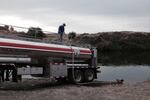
{"type": "Point", "coordinates": [89, 16]}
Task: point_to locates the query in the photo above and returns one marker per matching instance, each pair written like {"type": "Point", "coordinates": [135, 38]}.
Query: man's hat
{"type": "Point", "coordinates": [64, 24]}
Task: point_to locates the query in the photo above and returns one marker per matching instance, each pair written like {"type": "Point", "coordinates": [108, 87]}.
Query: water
{"type": "Point", "coordinates": [130, 74]}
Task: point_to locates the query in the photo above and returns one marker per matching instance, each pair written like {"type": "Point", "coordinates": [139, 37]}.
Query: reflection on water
{"type": "Point", "coordinates": [131, 74]}
{"type": "Point", "coordinates": [124, 58]}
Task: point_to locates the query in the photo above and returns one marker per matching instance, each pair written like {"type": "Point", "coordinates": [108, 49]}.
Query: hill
{"type": "Point", "coordinates": [119, 48]}
{"type": "Point", "coordinates": [117, 41]}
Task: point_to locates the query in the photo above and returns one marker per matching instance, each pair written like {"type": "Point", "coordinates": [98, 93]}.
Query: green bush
{"type": "Point", "coordinates": [71, 35]}
{"type": "Point", "coordinates": [36, 32]}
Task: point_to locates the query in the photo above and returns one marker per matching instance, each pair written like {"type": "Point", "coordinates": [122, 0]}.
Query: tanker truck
{"type": "Point", "coordinates": [49, 60]}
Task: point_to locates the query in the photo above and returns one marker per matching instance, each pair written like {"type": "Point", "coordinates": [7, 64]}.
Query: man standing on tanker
{"type": "Point", "coordinates": [61, 31]}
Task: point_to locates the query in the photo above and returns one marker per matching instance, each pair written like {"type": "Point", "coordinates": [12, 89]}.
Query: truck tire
{"type": "Point", "coordinates": [77, 76]}
{"type": "Point", "coordinates": [89, 75]}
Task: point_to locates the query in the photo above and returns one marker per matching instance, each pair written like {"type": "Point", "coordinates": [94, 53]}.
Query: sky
{"type": "Point", "coordinates": [81, 16]}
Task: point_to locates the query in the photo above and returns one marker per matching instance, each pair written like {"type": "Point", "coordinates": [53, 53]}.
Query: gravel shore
{"type": "Point", "coordinates": [47, 91]}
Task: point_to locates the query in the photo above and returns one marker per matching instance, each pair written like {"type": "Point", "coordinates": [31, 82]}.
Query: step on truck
{"type": "Point", "coordinates": [48, 60]}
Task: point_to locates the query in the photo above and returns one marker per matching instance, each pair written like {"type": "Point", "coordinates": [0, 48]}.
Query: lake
{"type": "Point", "coordinates": [130, 73]}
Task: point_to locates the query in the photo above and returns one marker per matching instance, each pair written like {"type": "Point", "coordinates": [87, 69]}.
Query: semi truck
{"type": "Point", "coordinates": [49, 60]}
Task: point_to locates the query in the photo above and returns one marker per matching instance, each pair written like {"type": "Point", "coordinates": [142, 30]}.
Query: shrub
{"type": "Point", "coordinates": [36, 32]}
{"type": "Point", "coordinates": [71, 35]}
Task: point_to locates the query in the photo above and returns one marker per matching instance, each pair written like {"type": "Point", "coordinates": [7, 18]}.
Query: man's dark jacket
{"type": "Point", "coordinates": [61, 29]}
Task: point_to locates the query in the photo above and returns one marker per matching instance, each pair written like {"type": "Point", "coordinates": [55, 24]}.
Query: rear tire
{"type": "Point", "coordinates": [89, 75]}
{"type": "Point", "coordinates": [77, 76]}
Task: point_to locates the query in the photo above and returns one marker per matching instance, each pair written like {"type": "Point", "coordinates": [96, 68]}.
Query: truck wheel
{"type": "Point", "coordinates": [77, 77]}
{"type": "Point", "coordinates": [89, 75]}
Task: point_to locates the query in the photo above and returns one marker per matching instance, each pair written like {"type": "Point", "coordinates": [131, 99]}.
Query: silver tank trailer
{"type": "Point", "coordinates": [36, 50]}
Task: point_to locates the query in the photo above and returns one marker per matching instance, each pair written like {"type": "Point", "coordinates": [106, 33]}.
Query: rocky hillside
{"type": "Point", "coordinates": [119, 48]}
{"type": "Point", "coordinates": [117, 41]}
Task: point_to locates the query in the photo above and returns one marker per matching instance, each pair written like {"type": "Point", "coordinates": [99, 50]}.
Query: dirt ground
{"type": "Point", "coordinates": [35, 90]}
